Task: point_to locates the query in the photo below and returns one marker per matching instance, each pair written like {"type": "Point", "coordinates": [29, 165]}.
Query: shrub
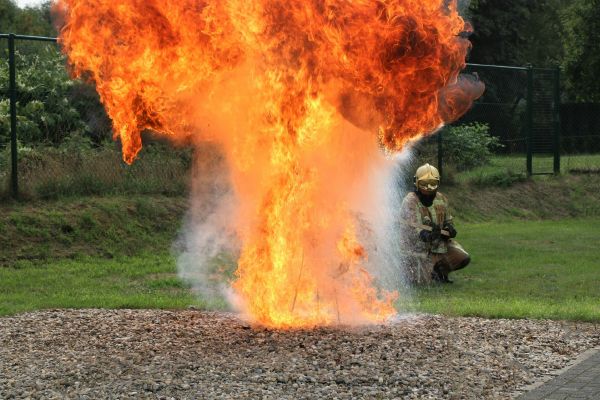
{"type": "Point", "coordinates": [463, 146]}
{"type": "Point", "coordinates": [468, 146]}
{"type": "Point", "coordinates": [44, 111]}
{"type": "Point", "coordinates": [50, 105]}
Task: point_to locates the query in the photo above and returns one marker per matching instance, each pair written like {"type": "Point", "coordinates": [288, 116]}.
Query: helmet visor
{"type": "Point", "coordinates": [428, 184]}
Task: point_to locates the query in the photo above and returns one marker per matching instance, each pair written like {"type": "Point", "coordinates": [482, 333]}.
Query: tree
{"type": "Point", "coordinates": [581, 37]}
{"type": "Point", "coordinates": [36, 21]}
{"type": "Point", "coordinates": [515, 32]}
{"type": "Point", "coordinates": [28, 21]}
{"type": "Point", "coordinates": [8, 15]}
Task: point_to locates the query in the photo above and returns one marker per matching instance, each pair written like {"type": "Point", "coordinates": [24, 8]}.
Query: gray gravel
{"type": "Point", "coordinates": [92, 354]}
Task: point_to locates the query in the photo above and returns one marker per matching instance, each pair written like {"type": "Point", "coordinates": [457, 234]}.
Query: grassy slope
{"type": "Point", "coordinates": [116, 252]}
{"type": "Point", "coordinates": [568, 196]}
{"type": "Point", "coordinates": [92, 252]}
{"type": "Point", "coordinates": [98, 227]}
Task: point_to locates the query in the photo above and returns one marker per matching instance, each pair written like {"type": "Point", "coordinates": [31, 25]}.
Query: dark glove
{"type": "Point", "coordinates": [425, 235]}
{"type": "Point", "coordinates": [432, 235]}
{"type": "Point", "coordinates": [450, 228]}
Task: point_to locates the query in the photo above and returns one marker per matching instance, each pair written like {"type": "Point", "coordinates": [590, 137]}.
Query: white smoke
{"type": "Point", "coordinates": [207, 247]}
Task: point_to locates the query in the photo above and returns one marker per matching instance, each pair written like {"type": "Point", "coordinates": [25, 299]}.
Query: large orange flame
{"type": "Point", "coordinates": [301, 95]}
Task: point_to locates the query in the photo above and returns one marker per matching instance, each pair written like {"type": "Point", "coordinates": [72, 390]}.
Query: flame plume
{"type": "Point", "coordinates": [301, 96]}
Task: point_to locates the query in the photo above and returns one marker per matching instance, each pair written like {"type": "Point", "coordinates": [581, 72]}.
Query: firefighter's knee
{"type": "Point", "coordinates": [465, 261]}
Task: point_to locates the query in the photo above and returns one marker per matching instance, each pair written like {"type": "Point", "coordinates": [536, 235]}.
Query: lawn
{"type": "Point", "coordinates": [516, 164]}
{"type": "Point", "coordinates": [143, 281]}
{"type": "Point", "coordinates": [522, 269]}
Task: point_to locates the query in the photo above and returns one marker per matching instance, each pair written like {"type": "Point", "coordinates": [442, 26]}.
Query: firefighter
{"type": "Point", "coordinates": [428, 234]}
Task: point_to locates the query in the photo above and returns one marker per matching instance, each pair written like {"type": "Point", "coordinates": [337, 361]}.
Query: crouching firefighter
{"type": "Point", "coordinates": [428, 233]}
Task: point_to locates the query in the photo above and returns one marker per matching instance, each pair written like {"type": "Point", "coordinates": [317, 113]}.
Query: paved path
{"type": "Point", "coordinates": [581, 381]}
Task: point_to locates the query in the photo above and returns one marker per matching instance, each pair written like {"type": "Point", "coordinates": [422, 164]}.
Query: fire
{"type": "Point", "coordinates": [301, 96]}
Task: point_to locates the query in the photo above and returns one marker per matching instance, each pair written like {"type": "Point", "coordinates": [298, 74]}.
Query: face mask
{"type": "Point", "coordinates": [428, 186]}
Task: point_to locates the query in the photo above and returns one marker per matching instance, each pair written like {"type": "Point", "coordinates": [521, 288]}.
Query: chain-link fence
{"type": "Point", "coordinates": [21, 81]}
{"type": "Point", "coordinates": [520, 109]}
{"type": "Point", "coordinates": [503, 106]}
{"type": "Point", "coordinates": [580, 137]}
{"type": "Point", "coordinates": [510, 133]}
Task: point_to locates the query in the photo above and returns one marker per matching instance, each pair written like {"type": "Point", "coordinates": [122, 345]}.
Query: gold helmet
{"type": "Point", "coordinates": [427, 179]}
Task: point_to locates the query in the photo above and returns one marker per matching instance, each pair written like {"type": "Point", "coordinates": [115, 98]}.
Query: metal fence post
{"type": "Point", "coordinates": [12, 89]}
{"type": "Point", "coordinates": [557, 120]}
{"type": "Point", "coordinates": [529, 123]}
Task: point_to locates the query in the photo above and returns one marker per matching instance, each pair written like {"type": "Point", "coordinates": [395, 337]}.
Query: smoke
{"type": "Point", "coordinates": [455, 99]}
{"type": "Point", "coordinates": [207, 247]}
{"type": "Point", "coordinates": [389, 187]}
{"type": "Point", "coordinates": [463, 7]}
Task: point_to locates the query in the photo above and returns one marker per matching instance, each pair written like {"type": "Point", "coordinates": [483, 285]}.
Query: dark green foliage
{"type": "Point", "coordinates": [542, 33]}
{"type": "Point", "coordinates": [45, 112]}
{"type": "Point", "coordinates": [517, 33]}
{"type": "Point", "coordinates": [27, 21]}
{"type": "Point", "coordinates": [468, 146]}
{"type": "Point", "coordinates": [501, 178]}
{"type": "Point", "coordinates": [50, 105]}
{"type": "Point", "coordinates": [8, 16]}
{"type": "Point", "coordinates": [463, 146]}
{"type": "Point", "coordinates": [581, 63]}
{"type": "Point", "coordinates": [514, 32]}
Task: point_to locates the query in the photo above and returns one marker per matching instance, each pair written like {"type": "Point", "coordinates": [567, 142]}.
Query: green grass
{"type": "Point", "coordinates": [580, 163]}
{"type": "Point", "coordinates": [516, 165]}
{"type": "Point", "coordinates": [143, 281]}
{"type": "Point", "coordinates": [535, 269]}
{"type": "Point", "coordinates": [99, 252]}
{"type": "Point", "coordinates": [539, 259]}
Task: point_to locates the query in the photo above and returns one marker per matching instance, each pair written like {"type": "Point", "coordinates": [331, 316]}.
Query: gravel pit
{"type": "Point", "coordinates": [92, 354]}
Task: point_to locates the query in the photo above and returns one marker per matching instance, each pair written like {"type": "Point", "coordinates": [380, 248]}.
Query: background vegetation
{"type": "Point", "coordinates": [28, 21]}
{"type": "Point", "coordinates": [541, 33]}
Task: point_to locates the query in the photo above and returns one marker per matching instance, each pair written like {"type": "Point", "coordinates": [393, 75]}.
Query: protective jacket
{"type": "Point", "coordinates": [415, 216]}
{"type": "Point", "coordinates": [424, 260]}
